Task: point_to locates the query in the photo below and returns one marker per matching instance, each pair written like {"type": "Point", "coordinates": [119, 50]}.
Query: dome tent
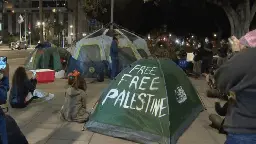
{"type": "Point", "coordinates": [155, 111]}
{"type": "Point", "coordinates": [95, 48]}
{"type": "Point", "coordinates": [46, 58]}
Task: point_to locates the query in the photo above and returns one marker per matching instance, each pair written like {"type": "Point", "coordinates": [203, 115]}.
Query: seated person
{"type": "Point", "coordinates": [21, 87]}
{"type": "Point", "coordinates": [4, 88]}
{"type": "Point", "coordinates": [74, 108]}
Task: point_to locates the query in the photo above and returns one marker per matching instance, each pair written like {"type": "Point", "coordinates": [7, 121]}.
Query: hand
{"type": "Point", "coordinates": [235, 44]}
{"type": "Point", "coordinates": [5, 71]}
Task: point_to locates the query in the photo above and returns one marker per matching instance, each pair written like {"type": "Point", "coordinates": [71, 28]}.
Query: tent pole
{"type": "Point", "coordinates": [112, 14]}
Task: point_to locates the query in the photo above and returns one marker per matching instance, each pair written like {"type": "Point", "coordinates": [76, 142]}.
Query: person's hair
{"type": "Point", "coordinates": [19, 77]}
{"type": "Point", "coordinates": [77, 82]}
{"type": "Point", "coordinates": [115, 38]}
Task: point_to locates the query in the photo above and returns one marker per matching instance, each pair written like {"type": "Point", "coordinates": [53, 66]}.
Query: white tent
{"type": "Point", "coordinates": [96, 46]}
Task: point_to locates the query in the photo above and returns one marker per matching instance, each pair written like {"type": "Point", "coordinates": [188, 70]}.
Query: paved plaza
{"type": "Point", "coordinates": [41, 125]}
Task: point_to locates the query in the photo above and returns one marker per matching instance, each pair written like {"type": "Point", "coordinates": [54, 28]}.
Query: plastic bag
{"type": "Point", "coordinates": [40, 93]}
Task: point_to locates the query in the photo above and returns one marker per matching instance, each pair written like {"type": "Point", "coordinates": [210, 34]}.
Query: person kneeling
{"type": "Point", "coordinates": [22, 89]}
{"type": "Point", "coordinates": [74, 108]}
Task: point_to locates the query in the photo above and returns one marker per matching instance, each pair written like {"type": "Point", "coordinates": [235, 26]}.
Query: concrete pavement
{"type": "Point", "coordinates": [41, 125]}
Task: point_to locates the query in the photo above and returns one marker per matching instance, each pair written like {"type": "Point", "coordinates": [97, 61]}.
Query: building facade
{"type": "Point", "coordinates": [61, 12]}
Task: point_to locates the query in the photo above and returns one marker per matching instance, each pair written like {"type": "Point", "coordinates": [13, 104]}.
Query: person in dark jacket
{"type": "Point", "coordinates": [207, 56]}
{"type": "Point", "coordinates": [114, 57]}
{"type": "Point", "coordinates": [4, 88]}
{"type": "Point", "coordinates": [21, 87]}
{"type": "Point", "coordinates": [237, 77]}
{"type": "Point", "coordinates": [223, 54]}
{"type": "Point", "coordinates": [15, 135]}
{"type": "Point", "coordinates": [197, 60]}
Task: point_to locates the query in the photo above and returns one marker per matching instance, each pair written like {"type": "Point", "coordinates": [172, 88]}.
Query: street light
{"type": "Point", "coordinates": [215, 35]}
{"type": "Point", "coordinates": [177, 41]}
{"type": "Point", "coordinates": [71, 34]}
{"type": "Point", "coordinates": [170, 35]}
{"type": "Point", "coordinates": [71, 26]}
{"type": "Point", "coordinates": [149, 37]}
{"type": "Point", "coordinates": [54, 10]}
{"type": "Point", "coordinates": [29, 38]}
{"type": "Point", "coordinates": [38, 23]}
{"type": "Point", "coordinates": [84, 34]}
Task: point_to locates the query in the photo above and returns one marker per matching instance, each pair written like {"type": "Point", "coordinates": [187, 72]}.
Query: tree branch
{"type": "Point", "coordinates": [253, 11]}
{"type": "Point", "coordinates": [247, 10]}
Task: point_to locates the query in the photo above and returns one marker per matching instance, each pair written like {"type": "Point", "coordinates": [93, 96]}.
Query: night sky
{"type": "Point", "coordinates": [181, 17]}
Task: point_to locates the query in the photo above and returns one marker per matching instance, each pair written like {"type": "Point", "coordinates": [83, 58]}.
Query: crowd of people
{"type": "Point", "coordinates": [204, 62]}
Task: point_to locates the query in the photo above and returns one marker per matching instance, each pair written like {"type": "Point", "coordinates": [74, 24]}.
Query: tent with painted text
{"type": "Point", "coordinates": [151, 101]}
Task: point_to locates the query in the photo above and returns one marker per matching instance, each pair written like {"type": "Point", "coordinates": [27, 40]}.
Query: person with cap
{"type": "Point", "coordinates": [114, 57]}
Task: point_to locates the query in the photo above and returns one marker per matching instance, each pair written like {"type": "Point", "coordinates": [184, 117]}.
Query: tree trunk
{"type": "Point", "coordinates": [240, 18]}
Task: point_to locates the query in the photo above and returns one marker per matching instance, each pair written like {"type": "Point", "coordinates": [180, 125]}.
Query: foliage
{"type": "Point", "coordinates": [7, 39]}
{"type": "Point", "coordinates": [35, 36]}
{"type": "Point", "coordinates": [94, 7]}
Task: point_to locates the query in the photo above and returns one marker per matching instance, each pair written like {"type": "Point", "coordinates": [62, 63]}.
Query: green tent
{"type": "Point", "coordinates": [46, 58]}
{"type": "Point", "coordinates": [152, 101]}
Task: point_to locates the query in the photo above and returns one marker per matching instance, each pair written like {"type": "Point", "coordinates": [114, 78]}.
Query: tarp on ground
{"type": "Point", "coordinates": [151, 101]}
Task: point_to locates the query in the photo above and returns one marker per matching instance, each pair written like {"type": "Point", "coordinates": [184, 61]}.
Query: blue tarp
{"type": "Point", "coordinates": [44, 45]}
{"type": "Point", "coordinates": [183, 63]}
{"type": "Point", "coordinates": [88, 69]}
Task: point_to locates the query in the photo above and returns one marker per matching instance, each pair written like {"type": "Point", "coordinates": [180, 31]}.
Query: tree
{"type": "Point", "coordinates": [240, 14]}
{"type": "Point", "coordinates": [95, 7]}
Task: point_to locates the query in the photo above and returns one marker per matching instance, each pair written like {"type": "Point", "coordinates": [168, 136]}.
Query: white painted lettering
{"type": "Point", "coordinates": [141, 70]}
{"type": "Point", "coordinates": [120, 98]}
{"type": "Point", "coordinates": [132, 101]}
{"type": "Point", "coordinates": [162, 108]}
{"type": "Point", "coordinates": [126, 100]}
{"type": "Point", "coordinates": [122, 79]}
{"type": "Point", "coordinates": [142, 101]}
{"type": "Point", "coordinates": [149, 99]}
{"type": "Point", "coordinates": [134, 82]}
{"type": "Point", "coordinates": [147, 71]}
{"type": "Point", "coordinates": [152, 106]}
{"type": "Point", "coordinates": [156, 107]}
{"type": "Point", "coordinates": [152, 71]}
{"type": "Point", "coordinates": [113, 93]}
{"type": "Point", "coordinates": [154, 81]}
{"type": "Point", "coordinates": [143, 82]}
{"type": "Point", "coordinates": [137, 67]}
